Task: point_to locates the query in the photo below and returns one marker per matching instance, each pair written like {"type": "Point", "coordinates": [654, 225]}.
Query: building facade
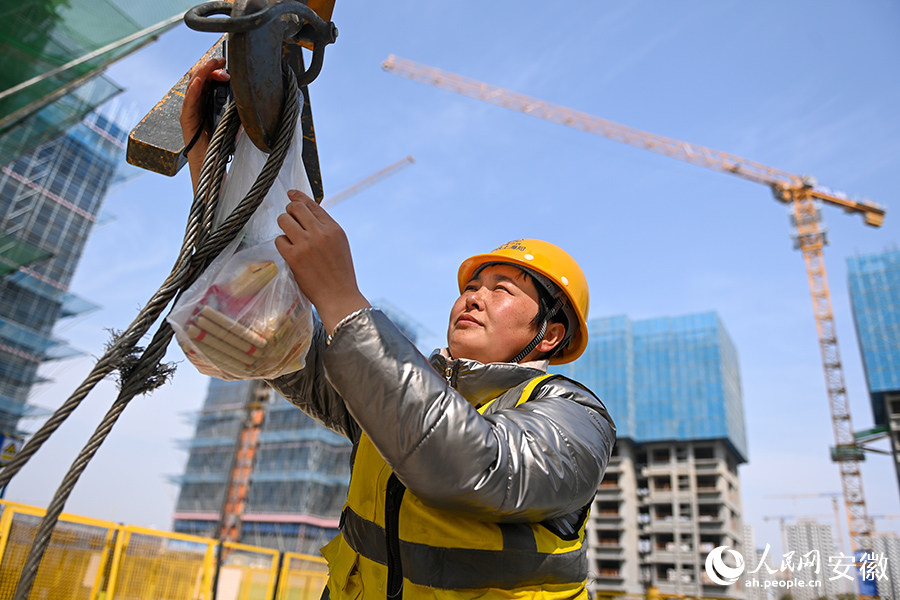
{"type": "Point", "coordinates": [300, 476]}
{"type": "Point", "coordinates": [874, 283]}
{"type": "Point", "coordinates": [759, 573]}
{"type": "Point", "coordinates": [811, 543]}
{"type": "Point", "coordinates": [886, 548]}
{"type": "Point", "coordinates": [50, 200]}
{"type": "Point", "coordinates": [672, 492]}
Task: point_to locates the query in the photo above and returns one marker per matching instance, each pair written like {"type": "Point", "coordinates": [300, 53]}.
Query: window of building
{"type": "Point", "coordinates": [608, 538]}
{"type": "Point", "coordinates": [608, 569]}
{"type": "Point", "coordinates": [706, 483]}
{"type": "Point", "coordinates": [665, 541]}
{"type": "Point", "coordinates": [708, 512]}
{"type": "Point", "coordinates": [610, 480]}
{"type": "Point", "coordinates": [708, 542]}
{"type": "Point", "coordinates": [666, 572]}
{"type": "Point", "coordinates": [704, 452]}
{"type": "Point", "coordinates": [663, 511]}
{"type": "Point", "coordinates": [661, 455]}
{"type": "Point", "coordinates": [607, 508]}
{"type": "Point", "coordinates": [640, 460]}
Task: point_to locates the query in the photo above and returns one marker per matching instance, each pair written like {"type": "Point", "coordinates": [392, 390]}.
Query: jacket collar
{"type": "Point", "coordinates": [479, 382]}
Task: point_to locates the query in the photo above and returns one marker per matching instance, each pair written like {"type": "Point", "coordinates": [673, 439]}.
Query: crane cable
{"type": "Point", "coordinates": [140, 370]}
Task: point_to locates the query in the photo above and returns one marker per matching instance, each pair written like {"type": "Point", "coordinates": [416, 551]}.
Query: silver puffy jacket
{"type": "Point", "coordinates": [540, 461]}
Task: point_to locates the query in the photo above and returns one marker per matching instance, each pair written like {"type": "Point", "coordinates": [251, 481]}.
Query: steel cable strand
{"type": "Point", "coordinates": [148, 367]}
{"type": "Point", "coordinates": [125, 342]}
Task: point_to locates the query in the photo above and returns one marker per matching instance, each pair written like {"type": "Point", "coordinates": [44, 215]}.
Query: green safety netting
{"type": "Point", "coordinates": [15, 253]}
{"type": "Point", "coordinates": [40, 36]}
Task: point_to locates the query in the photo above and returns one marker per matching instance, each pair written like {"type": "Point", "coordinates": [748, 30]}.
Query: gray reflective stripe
{"type": "Point", "coordinates": [518, 536]}
{"type": "Point", "coordinates": [462, 568]}
{"type": "Point", "coordinates": [365, 537]}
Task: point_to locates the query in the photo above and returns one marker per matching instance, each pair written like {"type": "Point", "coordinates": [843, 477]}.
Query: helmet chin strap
{"type": "Point", "coordinates": [540, 334]}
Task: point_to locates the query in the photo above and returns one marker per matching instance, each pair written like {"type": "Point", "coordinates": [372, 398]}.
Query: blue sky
{"type": "Point", "coordinates": [805, 86]}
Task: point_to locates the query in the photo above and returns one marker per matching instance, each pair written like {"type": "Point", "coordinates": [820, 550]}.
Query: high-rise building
{"type": "Point", "coordinates": [50, 200]}
{"type": "Point", "coordinates": [672, 493]}
{"type": "Point", "coordinates": [300, 478]}
{"type": "Point", "coordinates": [812, 544]}
{"type": "Point", "coordinates": [874, 282]}
{"type": "Point", "coordinates": [757, 578]}
{"type": "Point", "coordinates": [886, 548]}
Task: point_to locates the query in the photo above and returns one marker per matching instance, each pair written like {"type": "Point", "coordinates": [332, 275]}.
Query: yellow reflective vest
{"type": "Point", "coordinates": [392, 545]}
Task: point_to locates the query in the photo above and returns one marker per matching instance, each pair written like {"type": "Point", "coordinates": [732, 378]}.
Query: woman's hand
{"type": "Point", "coordinates": [318, 253]}
{"type": "Point", "coordinates": [192, 117]}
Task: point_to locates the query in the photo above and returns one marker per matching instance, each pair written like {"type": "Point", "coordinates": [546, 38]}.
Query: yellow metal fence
{"type": "Point", "coordinates": [89, 559]}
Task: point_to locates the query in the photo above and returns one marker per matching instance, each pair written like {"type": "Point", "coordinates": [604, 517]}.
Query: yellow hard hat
{"type": "Point", "coordinates": [553, 263]}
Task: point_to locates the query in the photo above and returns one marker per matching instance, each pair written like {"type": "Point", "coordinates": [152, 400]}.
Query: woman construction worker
{"type": "Point", "coordinates": [473, 469]}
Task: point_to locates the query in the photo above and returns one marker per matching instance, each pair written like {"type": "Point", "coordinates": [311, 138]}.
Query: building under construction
{"type": "Point", "coordinates": [875, 295]}
{"type": "Point", "coordinates": [50, 200]}
{"type": "Point", "coordinates": [671, 493]}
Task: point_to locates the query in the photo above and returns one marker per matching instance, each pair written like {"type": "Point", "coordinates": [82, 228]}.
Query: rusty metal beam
{"type": "Point", "coordinates": [156, 142]}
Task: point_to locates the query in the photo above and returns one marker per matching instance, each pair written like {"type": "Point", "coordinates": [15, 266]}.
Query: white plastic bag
{"type": "Point", "coordinates": [245, 317]}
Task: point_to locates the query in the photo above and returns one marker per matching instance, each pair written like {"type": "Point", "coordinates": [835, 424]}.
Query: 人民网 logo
{"type": "Point", "coordinates": [721, 573]}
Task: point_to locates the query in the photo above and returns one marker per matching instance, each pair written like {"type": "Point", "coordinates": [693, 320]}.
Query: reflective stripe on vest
{"type": "Point", "coordinates": [467, 568]}
{"type": "Point", "coordinates": [445, 550]}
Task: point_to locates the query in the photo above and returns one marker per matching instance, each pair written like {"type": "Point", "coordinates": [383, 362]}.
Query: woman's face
{"type": "Point", "coordinates": [491, 321]}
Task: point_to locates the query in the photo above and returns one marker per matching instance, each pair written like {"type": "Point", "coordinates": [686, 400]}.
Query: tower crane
{"type": "Point", "coordinates": [801, 192]}
{"type": "Point", "coordinates": [834, 504]}
{"type": "Point", "coordinates": [781, 523]}
{"type": "Point", "coordinates": [368, 182]}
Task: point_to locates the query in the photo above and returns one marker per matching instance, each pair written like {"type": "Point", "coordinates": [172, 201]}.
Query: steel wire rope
{"type": "Point", "coordinates": [141, 375]}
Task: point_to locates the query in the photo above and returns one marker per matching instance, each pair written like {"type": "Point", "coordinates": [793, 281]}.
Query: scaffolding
{"type": "Point", "coordinates": [54, 54]}
{"type": "Point", "coordinates": [49, 202]}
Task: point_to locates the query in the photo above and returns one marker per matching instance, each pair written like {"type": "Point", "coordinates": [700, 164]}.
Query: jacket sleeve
{"type": "Point", "coordinates": [541, 460]}
{"type": "Point", "coordinates": [309, 390]}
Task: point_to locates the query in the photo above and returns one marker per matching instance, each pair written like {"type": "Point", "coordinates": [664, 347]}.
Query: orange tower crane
{"type": "Point", "coordinates": [237, 488]}
{"type": "Point", "coordinates": [801, 192]}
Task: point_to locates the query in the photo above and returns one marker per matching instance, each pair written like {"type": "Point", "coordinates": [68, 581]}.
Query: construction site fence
{"type": "Point", "coordinates": [90, 559]}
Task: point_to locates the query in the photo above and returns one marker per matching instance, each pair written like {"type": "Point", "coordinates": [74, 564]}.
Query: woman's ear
{"type": "Point", "coordinates": [554, 336]}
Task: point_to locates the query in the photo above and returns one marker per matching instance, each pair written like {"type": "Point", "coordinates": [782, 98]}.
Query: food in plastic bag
{"type": "Point", "coordinates": [245, 317]}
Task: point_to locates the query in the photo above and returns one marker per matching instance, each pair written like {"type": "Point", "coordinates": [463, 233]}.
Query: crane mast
{"type": "Point", "coordinates": [368, 182]}
{"type": "Point", "coordinates": [802, 192]}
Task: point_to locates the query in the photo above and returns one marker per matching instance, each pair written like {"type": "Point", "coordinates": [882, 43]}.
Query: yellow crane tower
{"type": "Point", "coordinates": [801, 192]}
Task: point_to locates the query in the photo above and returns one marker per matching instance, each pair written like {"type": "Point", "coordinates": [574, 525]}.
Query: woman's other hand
{"type": "Point", "coordinates": [318, 253]}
